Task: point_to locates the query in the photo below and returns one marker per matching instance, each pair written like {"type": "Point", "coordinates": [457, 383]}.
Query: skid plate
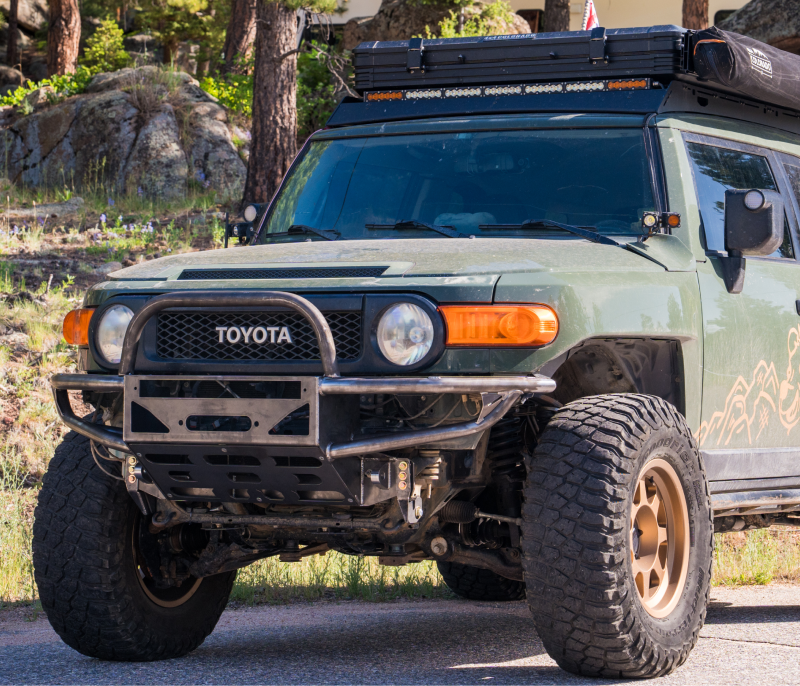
{"type": "Point", "coordinates": [173, 414]}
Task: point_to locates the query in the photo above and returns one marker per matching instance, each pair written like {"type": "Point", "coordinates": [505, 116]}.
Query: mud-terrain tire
{"type": "Point", "coordinates": [583, 540]}
{"type": "Point", "coordinates": [474, 583]}
{"type": "Point", "coordinates": [84, 567]}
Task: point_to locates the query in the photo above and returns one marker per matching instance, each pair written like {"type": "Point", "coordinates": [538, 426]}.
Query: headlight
{"type": "Point", "coordinates": [111, 332]}
{"type": "Point", "coordinates": [405, 334]}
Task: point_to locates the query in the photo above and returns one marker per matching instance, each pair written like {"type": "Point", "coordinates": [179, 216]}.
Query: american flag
{"type": "Point", "coordinates": [590, 20]}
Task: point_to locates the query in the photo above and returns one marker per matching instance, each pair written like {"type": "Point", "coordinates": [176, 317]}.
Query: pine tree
{"type": "Point", "coordinates": [274, 95]}
{"type": "Point", "coordinates": [63, 37]}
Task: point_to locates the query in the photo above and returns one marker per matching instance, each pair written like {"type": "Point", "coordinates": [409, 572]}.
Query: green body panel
{"type": "Point", "coordinates": [750, 367]}
{"type": "Point", "coordinates": [733, 346]}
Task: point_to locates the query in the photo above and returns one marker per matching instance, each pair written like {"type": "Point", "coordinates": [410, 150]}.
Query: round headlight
{"type": "Point", "coordinates": [405, 334]}
{"type": "Point", "coordinates": [111, 332]}
{"type": "Point", "coordinates": [250, 213]}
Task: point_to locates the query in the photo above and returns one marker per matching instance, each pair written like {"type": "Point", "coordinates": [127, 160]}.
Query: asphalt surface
{"type": "Point", "coordinates": [752, 636]}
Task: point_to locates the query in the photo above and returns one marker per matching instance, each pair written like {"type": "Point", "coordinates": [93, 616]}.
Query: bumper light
{"type": "Point", "coordinates": [505, 326]}
{"type": "Point", "coordinates": [76, 326]}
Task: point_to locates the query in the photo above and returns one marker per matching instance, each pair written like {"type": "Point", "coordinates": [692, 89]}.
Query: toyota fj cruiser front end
{"type": "Point", "coordinates": [483, 322]}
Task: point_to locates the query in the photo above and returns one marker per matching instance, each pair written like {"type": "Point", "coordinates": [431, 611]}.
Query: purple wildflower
{"type": "Point", "coordinates": [103, 218]}
{"type": "Point", "coordinates": [111, 202]}
{"type": "Point", "coordinates": [139, 191]}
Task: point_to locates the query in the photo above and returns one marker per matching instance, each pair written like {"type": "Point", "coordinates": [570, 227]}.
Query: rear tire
{"type": "Point", "coordinates": [474, 583]}
{"type": "Point", "coordinates": [618, 537]}
{"type": "Point", "coordinates": [85, 565]}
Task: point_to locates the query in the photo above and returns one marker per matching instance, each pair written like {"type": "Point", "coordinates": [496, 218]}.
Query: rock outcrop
{"type": "Point", "coordinates": [403, 19]}
{"type": "Point", "coordinates": [775, 22]}
{"type": "Point", "coordinates": [31, 14]}
{"type": "Point", "coordinates": [107, 138]}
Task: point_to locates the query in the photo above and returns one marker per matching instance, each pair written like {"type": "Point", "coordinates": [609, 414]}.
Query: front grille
{"type": "Point", "coordinates": [193, 336]}
{"type": "Point", "coordinates": [282, 273]}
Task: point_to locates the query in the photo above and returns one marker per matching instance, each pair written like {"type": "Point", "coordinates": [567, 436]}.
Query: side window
{"type": "Point", "coordinates": [719, 169]}
{"type": "Point", "coordinates": [793, 172]}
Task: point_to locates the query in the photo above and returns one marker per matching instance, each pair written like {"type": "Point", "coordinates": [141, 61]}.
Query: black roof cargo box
{"type": "Point", "coordinates": [640, 70]}
{"type": "Point", "coordinates": [596, 54]}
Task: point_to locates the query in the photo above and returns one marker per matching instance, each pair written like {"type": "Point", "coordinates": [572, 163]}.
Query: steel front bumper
{"type": "Point", "coordinates": [499, 393]}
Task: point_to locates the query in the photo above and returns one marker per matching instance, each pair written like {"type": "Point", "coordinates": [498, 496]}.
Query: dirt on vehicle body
{"type": "Point", "coordinates": [533, 331]}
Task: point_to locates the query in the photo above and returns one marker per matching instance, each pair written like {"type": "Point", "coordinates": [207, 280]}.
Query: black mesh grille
{"type": "Point", "coordinates": [193, 336]}
{"type": "Point", "coordinates": [288, 273]}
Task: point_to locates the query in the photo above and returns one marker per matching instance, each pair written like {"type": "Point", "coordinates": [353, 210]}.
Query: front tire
{"type": "Point", "coordinates": [618, 537]}
{"type": "Point", "coordinates": [86, 565]}
{"type": "Point", "coordinates": [474, 583]}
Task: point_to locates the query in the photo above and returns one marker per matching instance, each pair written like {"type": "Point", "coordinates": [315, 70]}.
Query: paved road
{"type": "Point", "coordinates": [752, 637]}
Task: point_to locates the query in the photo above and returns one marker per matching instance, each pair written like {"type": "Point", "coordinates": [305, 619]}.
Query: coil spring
{"type": "Point", "coordinates": [505, 450]}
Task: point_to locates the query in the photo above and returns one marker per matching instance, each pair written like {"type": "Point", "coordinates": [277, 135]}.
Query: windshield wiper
{"type": "Point", "coordinates": [414, 224]}
{"type": "Point", "coordinates": [545, 223]}
{"type": "Point", "coordinates": [300, 229]}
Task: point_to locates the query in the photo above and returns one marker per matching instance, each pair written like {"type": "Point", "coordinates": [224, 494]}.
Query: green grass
{"type": "Point", "coordinates": [16, 504]}
{"type": "Point", "coordinates": [335, 576]}
{"type": "Point", "coordinates": [757, 557]}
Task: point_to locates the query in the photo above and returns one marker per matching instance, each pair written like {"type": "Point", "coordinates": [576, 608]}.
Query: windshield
{"type": "Point", "coordinates": [586, 177]}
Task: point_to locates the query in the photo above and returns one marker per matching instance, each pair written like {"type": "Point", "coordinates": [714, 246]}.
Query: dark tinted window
{"type": "Point", "coordinates": [719, 169]}
{"type": "Point", "coordinates": [589, 177]}
{"type": "Point", "coordinates": [793, 172]}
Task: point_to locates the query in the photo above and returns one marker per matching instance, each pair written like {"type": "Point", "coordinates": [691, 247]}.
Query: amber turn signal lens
{"type": "Point", "coordinates": [500, 326]}
{"type": "Point", "coordinates": [76, 326]}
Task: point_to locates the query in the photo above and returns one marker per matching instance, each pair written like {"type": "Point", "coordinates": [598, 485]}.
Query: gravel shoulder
{"type": "Point", "coordinates": [752, 636]}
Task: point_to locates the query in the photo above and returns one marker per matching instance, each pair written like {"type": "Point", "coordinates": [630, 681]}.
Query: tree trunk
{"type": "Point", "coordinates": [240, 34]}
{"type": "Point", "coordinates": [695, 14]}
{"type": "Point", "coordinates": [556, 15]}
{"type": "Point", "coordinates": [11, 49]}
{"type": "Point", "coordinates": [776, 22]}
{"type": "Point", "coordinates": [63, 37]}
{"type": "Point", "coordinates": [274, 107]}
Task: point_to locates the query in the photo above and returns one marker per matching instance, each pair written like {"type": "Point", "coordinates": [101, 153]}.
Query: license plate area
{"type": "Point", "coordinates": [230, 410]}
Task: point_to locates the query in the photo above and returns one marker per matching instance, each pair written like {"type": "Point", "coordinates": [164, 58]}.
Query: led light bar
{"type": "Point", "coordinates": [594, 86]}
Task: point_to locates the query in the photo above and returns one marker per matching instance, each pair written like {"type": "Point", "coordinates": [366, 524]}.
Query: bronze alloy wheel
{"type": "Point", "coordinates": [659, 538]}
{"type": "Point", "coordinates": [174, 596]}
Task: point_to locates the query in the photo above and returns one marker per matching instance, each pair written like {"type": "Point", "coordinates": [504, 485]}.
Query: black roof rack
{"type": "Point", "coordinates": [637, 70]}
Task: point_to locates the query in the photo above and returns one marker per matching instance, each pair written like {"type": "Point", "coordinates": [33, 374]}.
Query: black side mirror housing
{"type": "Point", "coordinates": [753, 221]}
{"type": "Point", "coordinates": [753, 226]}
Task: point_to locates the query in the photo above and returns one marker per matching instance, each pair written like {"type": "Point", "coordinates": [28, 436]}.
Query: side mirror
{"type": "Point", "coordinates": [753, 226]}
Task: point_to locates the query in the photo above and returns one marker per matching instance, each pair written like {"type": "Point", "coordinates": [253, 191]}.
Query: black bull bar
{"type": "Point", "coordinates": [498, 393]}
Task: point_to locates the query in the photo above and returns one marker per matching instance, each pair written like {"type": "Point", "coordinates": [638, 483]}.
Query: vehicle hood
{"type": "Point", "coordinates": [407, 258]}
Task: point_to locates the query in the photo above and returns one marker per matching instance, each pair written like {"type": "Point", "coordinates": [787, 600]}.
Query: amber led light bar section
{"type": "Point", "coordinates": [76, 326]}
{"type": "Point", "coordinates": [593, 86]}
{"type": "Point", "coordinates": [499, 326]}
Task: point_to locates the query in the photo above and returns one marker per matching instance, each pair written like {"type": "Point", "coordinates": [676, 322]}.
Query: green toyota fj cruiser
{"type": "Point", "coordinates": [529, 308]}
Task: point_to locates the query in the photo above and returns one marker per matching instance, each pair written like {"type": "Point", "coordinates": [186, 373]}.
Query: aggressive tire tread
{"type": "Point", "coordinates": [79, 542]}
{"type": "Point", "coordinates": [474, 583]}
{"type": "Point", "coordinates": [574, 538]}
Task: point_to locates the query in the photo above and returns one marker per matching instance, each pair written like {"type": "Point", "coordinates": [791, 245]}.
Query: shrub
{"type": "Point", "coordinates": [63, 87]}
{"type": "Point", "coordinates": [234, 91]}
{"type": "Point", "coordinates": [315, 94]}
{"type": "Point", "coordinates": [488, 21]}
{"type": "Point", "coordinates": [104, 51]}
